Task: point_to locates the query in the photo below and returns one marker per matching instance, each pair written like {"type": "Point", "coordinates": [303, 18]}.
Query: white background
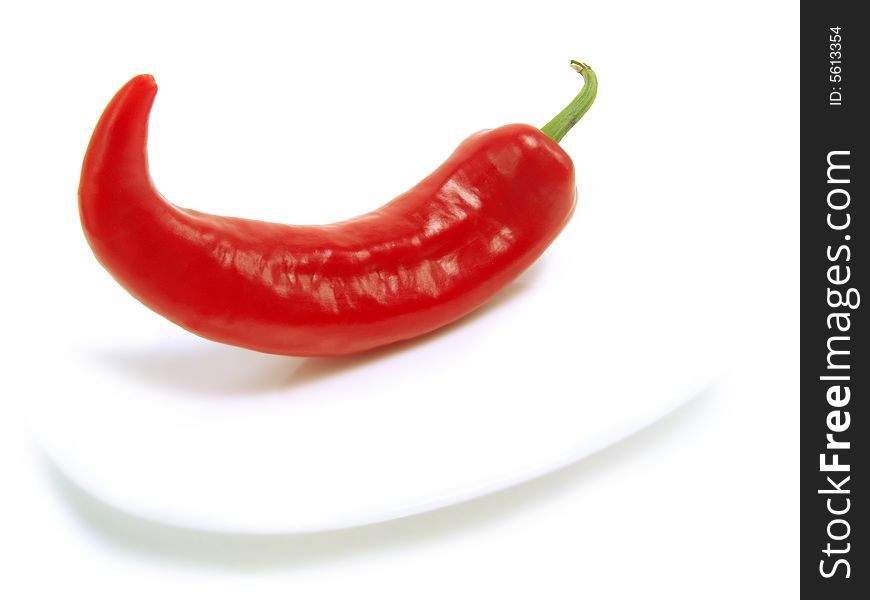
{"type": "Point", "coordinates": [293, 107]}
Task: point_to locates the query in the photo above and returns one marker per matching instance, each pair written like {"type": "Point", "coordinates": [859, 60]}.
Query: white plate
{"type": "Point", "coordinates": [180, 430]}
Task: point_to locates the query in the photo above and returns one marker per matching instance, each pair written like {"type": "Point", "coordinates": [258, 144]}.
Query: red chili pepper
{"type": "Point", "coordinates": [429, 257]}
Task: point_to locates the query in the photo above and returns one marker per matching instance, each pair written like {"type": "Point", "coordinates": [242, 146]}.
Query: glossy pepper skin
{"type": "Point", "coordinates": [425, 259]}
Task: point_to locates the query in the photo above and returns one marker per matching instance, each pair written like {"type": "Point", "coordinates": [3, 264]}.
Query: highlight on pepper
{"type": "Point", "coordinates": [423, 260]}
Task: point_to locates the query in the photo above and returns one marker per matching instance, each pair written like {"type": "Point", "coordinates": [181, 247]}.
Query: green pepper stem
{"type": "Point", "coordinates": [565, 120]}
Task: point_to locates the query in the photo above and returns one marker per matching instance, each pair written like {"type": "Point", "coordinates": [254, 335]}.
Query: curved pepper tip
{"type": "Point", "coordinates": [146, 78]}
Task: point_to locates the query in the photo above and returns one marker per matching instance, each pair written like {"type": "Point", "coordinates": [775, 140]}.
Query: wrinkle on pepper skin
{"type": "Point", "coordinates": [465, 191]}
{"type": "Point", "coordinates": [501, 241]}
